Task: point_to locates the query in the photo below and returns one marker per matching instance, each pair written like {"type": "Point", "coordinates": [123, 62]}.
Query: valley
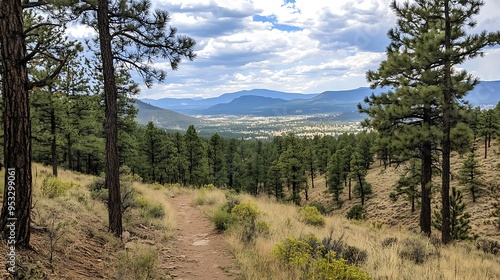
{"type": "Point", "coordinates": [265, 128]}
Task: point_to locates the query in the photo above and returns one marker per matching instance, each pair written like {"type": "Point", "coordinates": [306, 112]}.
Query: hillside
{"type": "Point", "coordinates": [162, 117]}
{"type": "Point", "coordinates": [397, 214]}
{"type": "Point", "coordinates": [167, 235]}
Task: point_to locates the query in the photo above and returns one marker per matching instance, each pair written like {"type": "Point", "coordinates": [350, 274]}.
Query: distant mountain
{"type": "Point", "coordinates": [275, 103]}
{"type": "Point", "coordinates": [249, 104]}
{"type": "Point", "coordinates": [164, 118]}
{"type": "Point", "coordinates": [191, 106]}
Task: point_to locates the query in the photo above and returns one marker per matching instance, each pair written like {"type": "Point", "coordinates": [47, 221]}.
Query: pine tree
{"type": "Point", "coordinates": [293, 169]}
{"type": "Point", "coordinates": [408, 183]}
{"type": "Point", "coordinates": [130, 37]}
{"type": "Point", "coordinates": [425, 88]}
{"type": "Point", "coordinates": [17, 52]}
{"type": "Point", "coordinates": [335, 176]}
{"type": "Point", "coordinates": [469, 173]}
{"type": "Point", "coordinates": [215, 155]}
{"type": "Point", "coordinates": [358, 174]}
{"type": "Point", "coordinates": [197, 165]}
{"type": "Point", "coordinates": [459, 219]}
{"type": "Point", "coordinates": [488, 127]}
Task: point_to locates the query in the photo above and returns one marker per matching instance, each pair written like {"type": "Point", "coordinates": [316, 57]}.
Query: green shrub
{"type": "Point", "coordinates": [222, 220]}
{"type": "Point", "coordinates": [53, 187]}
{"type": "Point", "coordinates": [356, 213]}
{"type": "Point", "coordinates": [321, 208]}
{"type": "Point", "coordinates": [311, 216]}
{"type": "Point", "coordinates": [245, 215]}
{"type": "Point", "coordinates": [305, 256]}
{"type": "Point", "coordinates": [154, 210]}
{"type": "Point", "coordinates": [128, 194]}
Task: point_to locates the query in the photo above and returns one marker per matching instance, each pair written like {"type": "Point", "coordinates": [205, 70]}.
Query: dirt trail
{"type": "Point", "coordinates": [198, 251]}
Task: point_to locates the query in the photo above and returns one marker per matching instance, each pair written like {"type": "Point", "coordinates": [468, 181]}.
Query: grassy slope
{"type": "Point", "coordinates": [85, 250]}
{"type": "Point", "coordinates": [380, 208]}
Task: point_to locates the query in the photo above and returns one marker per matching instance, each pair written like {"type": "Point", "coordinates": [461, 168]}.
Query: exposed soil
{"type": "Point", "coordinates": [198, 251]}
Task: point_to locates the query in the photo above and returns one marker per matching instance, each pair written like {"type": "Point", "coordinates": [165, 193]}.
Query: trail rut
{"type": "Point", "coordinates": [198, 251]}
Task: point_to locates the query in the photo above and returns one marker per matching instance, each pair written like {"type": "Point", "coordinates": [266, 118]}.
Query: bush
{"type": "Point", "coordinates": [53, 187]}
{"type": "Point", "coordinates": [154, 211]}
{"type": "Point", "coordinates": [388, 242]}
{"type": "Point", "coordinates": [414, 250]}
{"type": "Point", "coordinates": [138, 263]}
{"type": "Point", "coordinates": [128, 194]}
{"type": "Point", "coordinates": [488, 246]}
{"type": "Point", "coordinates": [305, 256]}
{"type": "Point", "coordinates": [245, 215]}
{"type": "Point", "coordinates": [321, 208]}
{"type": "Point", "coordinates": [222, 220]}
{"type": "Point", "coordinates": [202, 198]}
{"type": "Point", "coordinates": [356, 213]}
{"type": "Point", "coordinates": [351, 254]}
{"type": "Point", "coordinates": [311, 216]}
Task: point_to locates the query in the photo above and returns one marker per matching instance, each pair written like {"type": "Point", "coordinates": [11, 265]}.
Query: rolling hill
{"type": "Point", "coordinates": [162, 117]}
{"type": "Point", "coordinates": [194, 106]}
{"type": "Point", "coordinates": [261, 102]}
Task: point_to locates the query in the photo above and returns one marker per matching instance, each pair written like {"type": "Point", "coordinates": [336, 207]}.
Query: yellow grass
{"type": "Point", "coordinates": [457, 261]}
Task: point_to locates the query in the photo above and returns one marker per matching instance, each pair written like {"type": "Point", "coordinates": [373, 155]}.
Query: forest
{"type": "Point", "coordinates": [69, 104]}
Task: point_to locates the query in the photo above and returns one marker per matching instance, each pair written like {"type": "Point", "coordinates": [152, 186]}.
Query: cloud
{"type": "Point", "coordinates": [299, 46]}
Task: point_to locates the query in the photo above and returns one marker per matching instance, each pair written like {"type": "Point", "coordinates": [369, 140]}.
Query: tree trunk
{"type": "Point", "coordinates": [69, 151]}
{"type": "Point", "coordinates": [53, 146]}
{"type": "Point", "coordinates": [111, 115]}
{"type": "Point", "coordinates": [15, 225]}
{"type": "Point", "coordinates": [425, 184]}
{"type": "Point", "coordinates": [446, 145]}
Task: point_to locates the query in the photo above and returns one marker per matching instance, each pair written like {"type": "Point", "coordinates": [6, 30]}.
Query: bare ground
{"type": "Point", "coordinates": [197, 251]}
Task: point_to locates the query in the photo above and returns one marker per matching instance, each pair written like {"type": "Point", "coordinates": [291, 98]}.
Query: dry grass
{"type": "Point", "coordinates": [84, 249]}
{"type": "Point", "coordinates": [457, 261]}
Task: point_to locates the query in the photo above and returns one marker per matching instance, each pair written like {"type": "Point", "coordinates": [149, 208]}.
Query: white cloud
{"type": "Point", "coordinates": [332, 46]}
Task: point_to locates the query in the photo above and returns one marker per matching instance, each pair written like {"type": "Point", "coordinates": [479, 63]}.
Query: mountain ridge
{"type": "Point", "coordinates": [261, 102]}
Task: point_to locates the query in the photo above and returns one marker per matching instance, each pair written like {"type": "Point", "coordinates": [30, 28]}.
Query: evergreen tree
{"type": "Point", "coordinates": [335, 176]}
{"type": "Point", "coordinates": [233, 165]}
{"type": "Point", "coordinates": [488, 127]}
{"type": "Point", "coordinates": [408, 183]}
{"type": "Point", "coordinates": [179, 159]}
{"type": "Point", "coordinates": [358, 173]}
{"type": "Point", "coordinates": [293, 169]}
{"type": "Point", "coordinates": [459, 219]}
{"type": "Point", "coordinates": [129, 37]}
{"type": "Point", "coordinates": [20, 44]}
{"type": "Point", "coordinates": [215, 155]}
{"type": "Point", "coordinates": [197, 165]}
{"type": "Point", "coordinates": [426, 90]}
{"type": "Point", "coordinates": [469, 173]}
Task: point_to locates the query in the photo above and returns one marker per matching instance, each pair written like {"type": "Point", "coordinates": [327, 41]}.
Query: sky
{"type": "Point", "coordinates": [302, 46]}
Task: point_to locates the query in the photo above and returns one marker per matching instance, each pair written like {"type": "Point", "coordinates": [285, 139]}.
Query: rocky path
{"type": "Point", "coordinates": [198, 251]}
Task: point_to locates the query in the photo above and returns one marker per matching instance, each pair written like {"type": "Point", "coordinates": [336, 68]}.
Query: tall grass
{"type": "Point", "coordinates": [384, 261]}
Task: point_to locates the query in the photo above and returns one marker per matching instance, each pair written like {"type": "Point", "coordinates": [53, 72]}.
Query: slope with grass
{"type": "Point", "coordinates": [380, 208]}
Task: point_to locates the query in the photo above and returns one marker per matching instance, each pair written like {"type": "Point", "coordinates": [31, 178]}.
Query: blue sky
{"type": "Point", "coordinates": [305, 46]}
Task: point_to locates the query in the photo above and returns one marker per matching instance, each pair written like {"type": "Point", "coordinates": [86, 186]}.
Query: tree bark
{"type": "Point", "coordinates": [446, 145]}
{"type": "Point", "coordinates": [425, 184]}
{"type": "Point", "coordinates": [15, 223]}
{"type": "Point", "coordinates": [53, 146]}
{"type": "Point", "coordinates": [111, 128]}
